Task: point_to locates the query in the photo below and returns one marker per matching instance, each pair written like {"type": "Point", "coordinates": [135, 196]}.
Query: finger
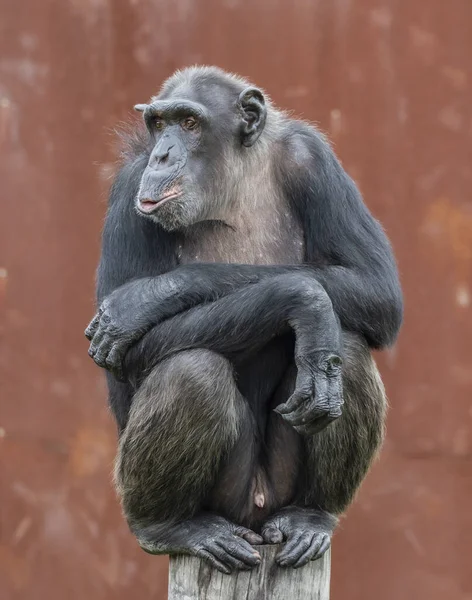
{"type": "Point", "coordinates": [319, 390]}
{"type": "Point", "coordinates": [114, 360]}
{"type": "Point", "coordinates": [335, 411]}
{"type": "Point", "coordinates": [100, 333]}
{"type": "Point", "coordinates": [311, 551]}
{"type": "Point", "coordinates": [314, 426]}
{"type": "Point", "coordinates": [325, 544]}
{"type": "Point", "coordinates": [92, 327]}
{"type": "Point", "coordinates": [293, 549]}
{"type": "Point", "coordinates": [292, 403]}
{"type": "Point", "coordinates": [214, 562]}
{"type": "Point", "coordinates": [336, 399]}
{"type": "Point", "coordinates": [272, 535]}
{"type": "Point", "coordinates": [101, 353]}
{"type": "Point", "coordinates": [326, 402]}
{"type": "Point", "coordinates": [305, 414]}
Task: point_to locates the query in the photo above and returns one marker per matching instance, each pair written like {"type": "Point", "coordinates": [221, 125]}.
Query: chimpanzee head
{"type": "Point", "coordinates": [203, 124]}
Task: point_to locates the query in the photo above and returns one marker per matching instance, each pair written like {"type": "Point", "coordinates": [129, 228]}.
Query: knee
{"type": "Point", "coordinates": [196, 372]}
{"type": "Point", "coordinates": [361, 377]}
{"type": "Point", "coordinates": [196, 378]}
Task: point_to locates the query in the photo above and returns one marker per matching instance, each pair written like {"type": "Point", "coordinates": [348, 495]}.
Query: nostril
{"type": "Point", "coordinates": [161, 155]}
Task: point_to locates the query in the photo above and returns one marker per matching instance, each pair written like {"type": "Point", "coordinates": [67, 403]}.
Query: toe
{"type": "Point", "coordinates": [324, 546]}
{"type": "Point", "coordinates": [237, 552]}
{"type": "Point", "coordinates": [272, 535]}
{"type": "Point", "coordinates": [214, 562]}
{"type": "Point", "coordinates": [310, 552]}
{"type": "Point", "coordinates": [249, 535]}
{"type": "Point", "coordinates": [294, 549]}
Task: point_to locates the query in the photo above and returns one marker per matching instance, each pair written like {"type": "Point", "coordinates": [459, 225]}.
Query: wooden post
{"type": "Point", "coordinates": [191, 578]}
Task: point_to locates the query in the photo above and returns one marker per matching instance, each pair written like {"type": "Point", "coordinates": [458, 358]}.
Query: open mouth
{"type": "Point", "coordinates": [147, 205]}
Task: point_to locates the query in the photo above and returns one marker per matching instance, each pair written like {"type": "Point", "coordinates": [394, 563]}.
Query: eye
{"type": "Point", "coordinates": [159, 124]}
{"type": "Point", "coordinates": [189, 123]}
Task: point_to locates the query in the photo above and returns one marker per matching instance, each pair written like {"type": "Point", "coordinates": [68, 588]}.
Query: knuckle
{"type": "Point", "coordinates": [331, 366]}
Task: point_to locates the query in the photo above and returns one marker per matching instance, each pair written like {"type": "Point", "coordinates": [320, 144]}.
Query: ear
{"type": "Point", "coordinates": [253, 110]}
{"type": "Point", "coordinates": [140, 107]}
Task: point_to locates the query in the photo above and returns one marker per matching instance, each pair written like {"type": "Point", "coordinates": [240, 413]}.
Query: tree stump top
{"type": "Point", "coordinates": [191, 578]}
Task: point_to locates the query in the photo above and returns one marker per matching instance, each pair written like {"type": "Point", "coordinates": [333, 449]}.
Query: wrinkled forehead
{"type": "Point", "coordinates": [218, 98]}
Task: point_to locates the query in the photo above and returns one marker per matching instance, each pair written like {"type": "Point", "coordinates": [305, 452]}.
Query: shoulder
{"type": "Point", "coordinates": [304, 145]}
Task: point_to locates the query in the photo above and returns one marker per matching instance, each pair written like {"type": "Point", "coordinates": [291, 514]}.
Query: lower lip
{"type": "Point", "coordinates": [149, 207]}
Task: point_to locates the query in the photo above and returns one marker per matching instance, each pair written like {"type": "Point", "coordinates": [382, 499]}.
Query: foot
{"type": "Point", "coordinates": [307, 534]}
{"type": "Point", "coordinates": [223, 544]}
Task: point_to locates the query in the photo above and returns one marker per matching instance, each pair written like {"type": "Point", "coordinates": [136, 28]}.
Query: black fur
{"type": "Point", "coordinates": [230, 400]}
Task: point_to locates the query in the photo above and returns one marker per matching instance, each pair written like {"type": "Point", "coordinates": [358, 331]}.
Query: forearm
{"type": "Point", "coordinates": [370, 306]}
{"type": "Point", "coordinates": [244, 321]}
{"type": "Point", "coordinates": [189, 285]}
{"type": "Point", "coordinates": [367, 304]}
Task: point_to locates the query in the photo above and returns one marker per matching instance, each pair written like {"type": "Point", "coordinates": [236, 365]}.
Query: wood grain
{"type": "Point", "coordinates": [191, 578]}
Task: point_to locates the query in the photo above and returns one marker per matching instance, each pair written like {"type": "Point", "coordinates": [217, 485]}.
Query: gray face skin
{"type": "Point", "coordinates": [191, 140]}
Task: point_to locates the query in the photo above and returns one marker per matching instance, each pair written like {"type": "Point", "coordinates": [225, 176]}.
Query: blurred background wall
{"type": "Point", "coordinates": [390, 81]}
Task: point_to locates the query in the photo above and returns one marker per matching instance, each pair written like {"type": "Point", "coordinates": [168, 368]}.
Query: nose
{"type": "Point", "coordinates": [164, 154]}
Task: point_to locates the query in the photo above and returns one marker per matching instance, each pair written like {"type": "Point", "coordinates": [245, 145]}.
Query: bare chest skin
{"type": "Point", "coordinates": [260, 232]}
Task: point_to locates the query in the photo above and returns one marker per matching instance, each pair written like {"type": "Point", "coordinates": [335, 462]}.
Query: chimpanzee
{"type": "Point", "coordinates": [241, 287]}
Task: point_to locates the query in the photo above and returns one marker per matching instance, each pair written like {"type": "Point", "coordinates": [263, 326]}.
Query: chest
{"type": "Point", "coordinates": [261, 232]}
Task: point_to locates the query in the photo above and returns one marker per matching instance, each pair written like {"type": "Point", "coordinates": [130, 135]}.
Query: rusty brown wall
{"type": "Point", "coordinates": [391, 82]}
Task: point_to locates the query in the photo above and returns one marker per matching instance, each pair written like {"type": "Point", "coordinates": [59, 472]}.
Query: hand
{"type": "Point", "coordinates": [122, 319]}
{"type": "Point", "coordinates": [318, 396]}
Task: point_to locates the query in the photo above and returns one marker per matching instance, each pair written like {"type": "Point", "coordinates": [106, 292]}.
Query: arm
{"type": "Point", "coordinates": [350, 253]}
{"type": "Point", "coordinates": [131, 248]}
{"type": "Point", "coordinates": [130, 311]}
{"type": "Point", "coordinates": [241, 323]}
